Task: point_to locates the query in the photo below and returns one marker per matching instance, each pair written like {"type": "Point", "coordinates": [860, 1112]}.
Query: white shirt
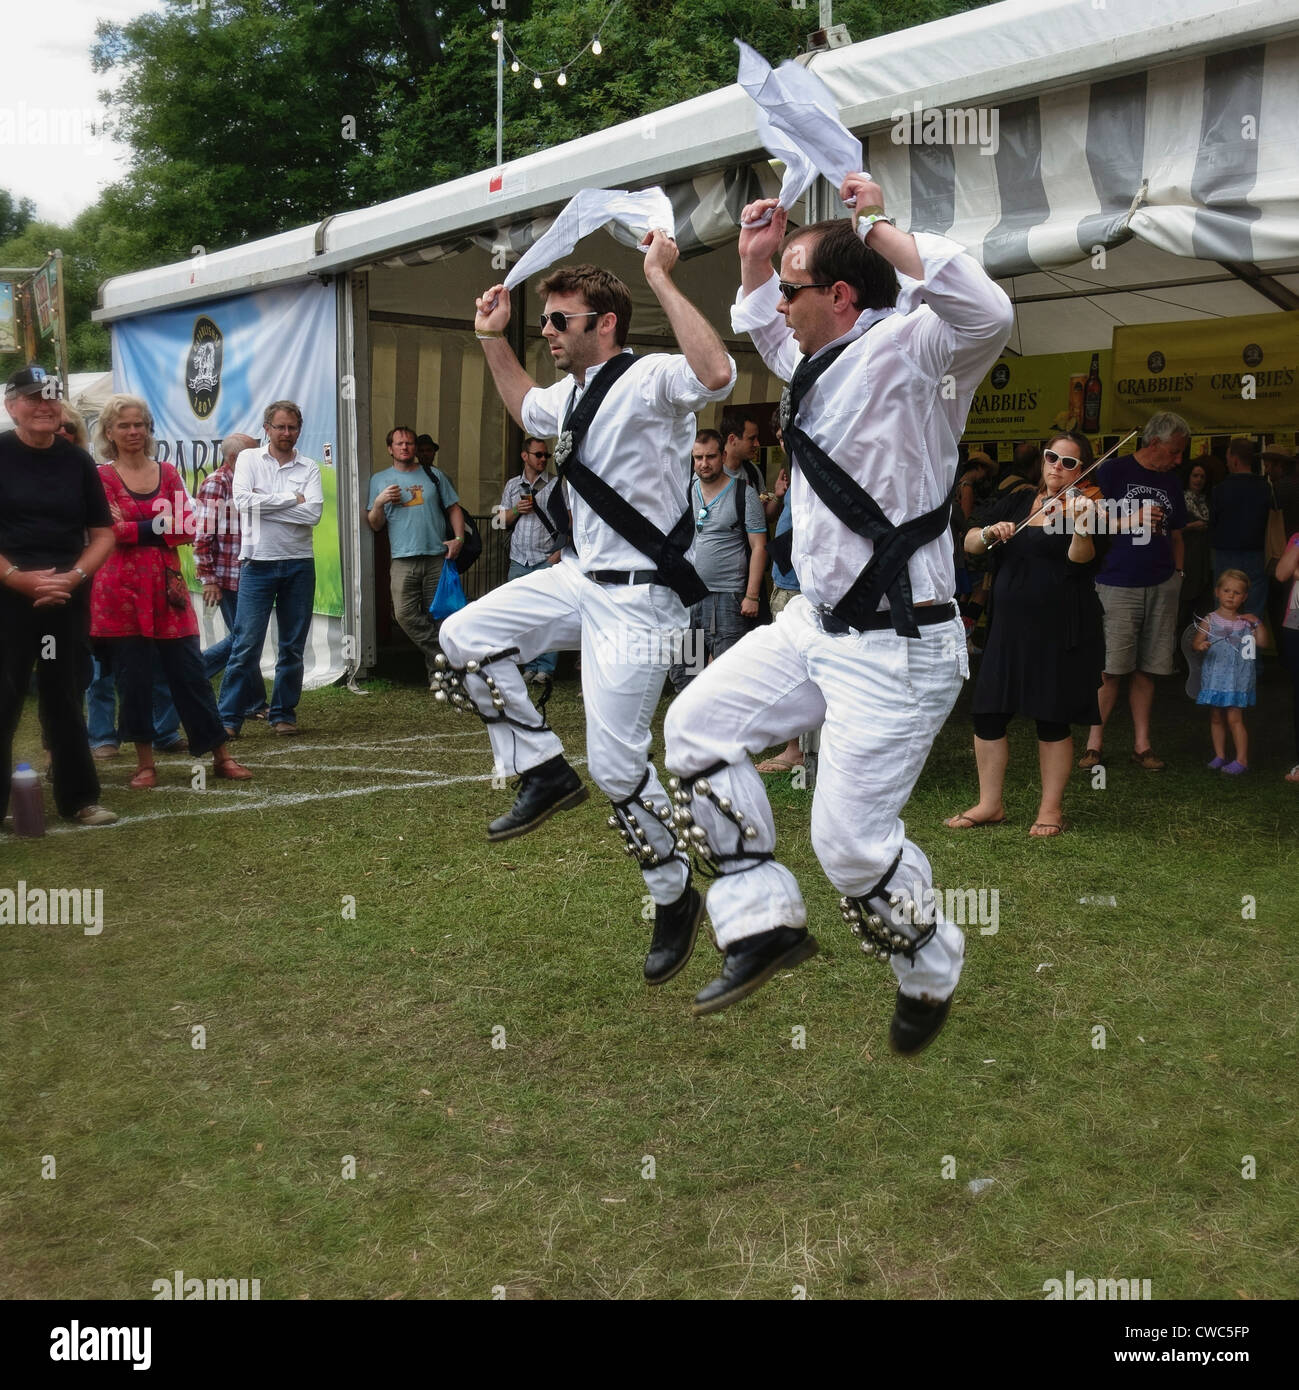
{"type": "Point", "coordinates": [273, 523]}
{"type": "Point", "coordinates": [639, 443]}
{"type": "Point", "coordinates": [890, 411]}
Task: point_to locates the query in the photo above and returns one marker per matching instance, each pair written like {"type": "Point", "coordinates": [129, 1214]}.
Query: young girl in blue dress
{"type": "Point", "coordinates": [1228, 639]}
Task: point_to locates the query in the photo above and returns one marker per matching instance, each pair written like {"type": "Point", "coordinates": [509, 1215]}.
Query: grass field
{"type": "Point", "coordinates": [527, 1166]}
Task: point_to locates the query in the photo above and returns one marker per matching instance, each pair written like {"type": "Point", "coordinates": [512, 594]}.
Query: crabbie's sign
{"type": "Point", "coordinates": [1222, 375]}
{"type": "Point", "coordinates": [1028, 397]}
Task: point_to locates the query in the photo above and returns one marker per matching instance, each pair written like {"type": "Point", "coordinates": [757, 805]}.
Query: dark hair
{"type": "Point", "coordinates": [399, 429]}
{"type": "Point", "coordinates": [531, 439]}
{"type": "Point", "coordinates": [1085, 451]}
{"type": "Point", "coordinates": [1243, 449]}
{"type": "Point", "coordinates": [734, 419]}
{"type": "Point", "coordinates": [709, 437]}
{"type": "Point", "coordinates": [838, 253]}
{"type": "Point", "coordinates": [426, 439]}
{"type": "Point", "coordinates": [600, 289]}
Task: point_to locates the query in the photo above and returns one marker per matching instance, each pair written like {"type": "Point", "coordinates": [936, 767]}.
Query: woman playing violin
{"type": "Point", "coordinates": [1045, 649]}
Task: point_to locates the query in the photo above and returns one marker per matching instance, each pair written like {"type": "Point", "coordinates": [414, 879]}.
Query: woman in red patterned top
{"type": "Point", "coordinates": [140, 602]}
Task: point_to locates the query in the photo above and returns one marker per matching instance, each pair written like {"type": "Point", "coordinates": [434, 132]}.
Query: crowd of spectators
{"type": "Point", "coordinates": [1081, 586]}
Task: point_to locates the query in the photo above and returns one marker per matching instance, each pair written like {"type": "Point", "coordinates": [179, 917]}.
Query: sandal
{"type": "Point", "coordinates": [1048, 829]}
{"type": "Point", "coordinates": [777, 764]}
{"type": "Point", "coordinates": [144, 778]}
{"type": "Point", "coordinates": [954, 823]}
{"type": "Point", "coordinates": [1293, 774]}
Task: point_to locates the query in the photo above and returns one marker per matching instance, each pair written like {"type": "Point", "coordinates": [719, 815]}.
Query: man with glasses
{"type": "Point", "coordinates": [1140, 580]}
{"type": "Point", "coordinates": [620, 591]}
{"type": "Point", "coordinates": [535, 537]}
{"type": "Point", "coordinates": [872, 648]}
{"type": "Point", "coordinates": [415, 501]}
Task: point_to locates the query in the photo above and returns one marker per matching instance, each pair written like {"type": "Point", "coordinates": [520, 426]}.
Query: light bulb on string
{"type": "Point", "coordinates": [514, 66]}
{"type": "Point", "coordinates": [496, 36]}
{"type": "Point", "coordinates": [562, 79]}
{"type": "Point", "coordinates": [536, 82]}
{"type": "Point", "coordinates": [596, 48]}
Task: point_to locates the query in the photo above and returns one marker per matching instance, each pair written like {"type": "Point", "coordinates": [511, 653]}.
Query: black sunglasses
{"type": "Point", "coordinates": [534, 455]}
{"type": "Point", "coordinates": [789, 291]}
{"type": "Point", "coordinates": [560, 319]}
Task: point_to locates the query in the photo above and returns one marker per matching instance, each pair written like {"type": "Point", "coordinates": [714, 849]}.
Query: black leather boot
{"type": "Point", "coordinates": [550, 787]}
{"type": "Point", "coordinates": [751, 963]}
{"type": "Point", "coordinates": [916, 1023]}
{"type": "Point", "coordinates": [675, 927]}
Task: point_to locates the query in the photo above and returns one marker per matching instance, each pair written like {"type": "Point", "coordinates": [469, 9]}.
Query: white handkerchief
{"type": "Point", "coordinates": [798, 122]}
{"type": "Point", "coordinates": [634, 214]}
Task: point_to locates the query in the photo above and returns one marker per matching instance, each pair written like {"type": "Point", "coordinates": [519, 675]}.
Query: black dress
{"type": "Point", "coordinates": [1046, 646]}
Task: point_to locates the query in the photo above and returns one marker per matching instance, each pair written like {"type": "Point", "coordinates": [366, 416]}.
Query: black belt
{"type": "Point", "coordinates": [624, 576]}
{"type": "Point", "coordinates": [925, 617]}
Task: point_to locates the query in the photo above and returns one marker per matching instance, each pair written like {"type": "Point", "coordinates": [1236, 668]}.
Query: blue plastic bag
{"type": "Point", "coordinates": [450, 597]}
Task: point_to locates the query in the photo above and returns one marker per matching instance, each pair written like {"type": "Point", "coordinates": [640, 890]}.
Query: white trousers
{"type": "Point", "coordinates": [881, 700]}
{"type": "Point", "coordinates": [625, 635]}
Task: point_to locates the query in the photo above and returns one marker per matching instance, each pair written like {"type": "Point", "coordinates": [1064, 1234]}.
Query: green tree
{"type": "Point", "coordinates": [14, 217]}
{"type": "Point", "coordinates": [248, 117]}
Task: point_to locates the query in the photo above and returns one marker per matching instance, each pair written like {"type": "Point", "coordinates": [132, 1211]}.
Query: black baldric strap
{"type": "Point", "coordinates": [666, 552]}
{"type": "Point", "coordinates": [886, 573]}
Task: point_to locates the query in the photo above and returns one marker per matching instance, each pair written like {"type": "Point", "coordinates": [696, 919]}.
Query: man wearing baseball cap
{"type": "Point", "coordinates": [55, 532]}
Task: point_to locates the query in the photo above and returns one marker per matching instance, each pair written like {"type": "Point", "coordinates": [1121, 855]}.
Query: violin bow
{"type": "Point", "coordinates": [1073, 486]}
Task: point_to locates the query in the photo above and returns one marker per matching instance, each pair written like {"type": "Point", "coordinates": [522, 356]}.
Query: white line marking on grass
{"type": "Point", "coordinates": [279, 799]}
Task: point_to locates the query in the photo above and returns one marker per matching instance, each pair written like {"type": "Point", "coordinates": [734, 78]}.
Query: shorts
{"type": "Point", "coordinates": [1140, 627]}
{"type": "Point", "coordinates": [780, 597]}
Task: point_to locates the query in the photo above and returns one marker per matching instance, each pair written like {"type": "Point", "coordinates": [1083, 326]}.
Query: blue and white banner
{"type": "Point", "coordinates": [208, 370]}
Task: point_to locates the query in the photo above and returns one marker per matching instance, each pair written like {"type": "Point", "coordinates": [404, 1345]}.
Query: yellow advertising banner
{"type": "Point", "coordinates": [1225, 376]}
{"type": "Point", "coordinates": [1028, 397]}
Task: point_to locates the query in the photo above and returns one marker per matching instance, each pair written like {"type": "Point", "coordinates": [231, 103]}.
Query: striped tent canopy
{"type": "Point", "coordinates": [1197, 158]}
{"type": "Point", "coordinates": [707, 212]}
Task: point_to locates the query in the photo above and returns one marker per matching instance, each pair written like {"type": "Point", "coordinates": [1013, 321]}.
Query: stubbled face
{"type": "Point", "coordinates": [1165, 454]}
{"type": "Point", "coordinates": [129, 431]}
{"type": "Point", "coordinates": [577, 347]}
{"type": "Point", "coordinates": [744, 448]}
{"type": "Point", "coordinates": [402, 447]}
{"type": "Point", "coordinates": [707, 460]}
{"type": "Point", "coordinates": [283, 431]}
{"type": "Point", "coordinates": [810, 313]}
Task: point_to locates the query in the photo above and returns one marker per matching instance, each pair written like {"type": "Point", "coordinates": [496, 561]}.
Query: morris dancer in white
{"type": "Point", "coordinates": [621, 590]}
{"type": "Point", "coordinates": [873, 647]}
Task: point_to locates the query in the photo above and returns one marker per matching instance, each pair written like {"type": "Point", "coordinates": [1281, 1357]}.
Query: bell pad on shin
{"type": "Point", "coordinates": [693, 838]}
{"type": "Point", "coordinates": [900, 928]}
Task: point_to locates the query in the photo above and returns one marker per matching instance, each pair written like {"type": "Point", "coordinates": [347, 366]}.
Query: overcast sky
{"type": "Point", "coordinates": [49, 104]}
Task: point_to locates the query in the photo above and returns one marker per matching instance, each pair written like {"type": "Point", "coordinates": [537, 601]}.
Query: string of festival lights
{"type": "Point", "coordinates": [593, 45]}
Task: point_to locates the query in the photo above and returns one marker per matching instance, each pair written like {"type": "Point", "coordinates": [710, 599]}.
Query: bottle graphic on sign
{"type": "Point", "coordinates": [1091, 419]}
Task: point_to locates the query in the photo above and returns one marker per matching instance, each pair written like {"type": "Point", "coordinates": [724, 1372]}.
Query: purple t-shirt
{"type": "Point", "coordinates": [1139, 560]}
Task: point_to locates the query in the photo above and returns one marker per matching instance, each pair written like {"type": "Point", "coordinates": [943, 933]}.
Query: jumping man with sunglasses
{"type": "Point", "coordinates": [872, 649]}
{"type": "Point", "coordinates": [620, 591]}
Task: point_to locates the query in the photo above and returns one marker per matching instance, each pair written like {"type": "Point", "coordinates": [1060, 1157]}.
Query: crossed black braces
{"type": "Point", "coordinates": [634, 839]}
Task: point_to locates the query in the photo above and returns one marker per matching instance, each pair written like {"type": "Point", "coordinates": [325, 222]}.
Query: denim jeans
{"type": "Point", "coordinates": [217, 655]}
{"type": "Point", "coordinates": [288, 587]}
{"type": "Point", "coordinates": [719, 625]}
{"type": "Point", "coordinates": [101, 709]}
{"type": "Point", "coordinates": [547, 661]}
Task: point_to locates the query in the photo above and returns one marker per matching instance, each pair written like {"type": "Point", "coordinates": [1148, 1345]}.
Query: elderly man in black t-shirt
{"type": "Point", "coordinates": [55, 532]}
